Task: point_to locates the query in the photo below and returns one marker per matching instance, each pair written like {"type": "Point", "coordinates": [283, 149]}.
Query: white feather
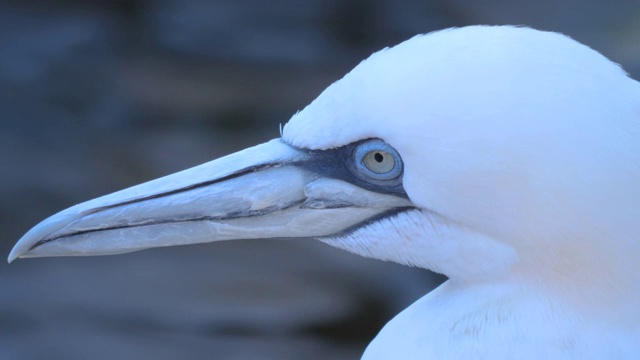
{"type": "Point", "coordinates": [522, 149]}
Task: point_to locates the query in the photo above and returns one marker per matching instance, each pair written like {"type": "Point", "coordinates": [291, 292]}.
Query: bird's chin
{"type": "Point", "coordinates": [425, 239]}
{"type": "Point", "coordinates": [382, 237]}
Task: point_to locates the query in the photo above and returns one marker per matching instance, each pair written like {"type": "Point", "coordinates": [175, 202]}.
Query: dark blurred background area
{"type": "Point", "coordinates": [98, 95]}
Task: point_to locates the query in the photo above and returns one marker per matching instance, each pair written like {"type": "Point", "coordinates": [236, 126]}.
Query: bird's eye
{"type": "Point", "coordinates": [377, 160]}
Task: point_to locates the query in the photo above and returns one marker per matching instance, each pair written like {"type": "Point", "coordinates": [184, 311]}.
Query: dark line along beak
{"type": "Point", "coordinates": [268, 191]}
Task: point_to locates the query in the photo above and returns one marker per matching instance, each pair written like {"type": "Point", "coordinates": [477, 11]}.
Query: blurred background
{"type": "Point", "coordinates": [98, 95]}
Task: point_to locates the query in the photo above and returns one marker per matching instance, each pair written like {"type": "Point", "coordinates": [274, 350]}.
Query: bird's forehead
{"type": "Point", "coordinates": [476, 78]}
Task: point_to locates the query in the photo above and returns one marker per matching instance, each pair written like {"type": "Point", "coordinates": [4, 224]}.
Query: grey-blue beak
{"type": "Point", "coordinates": [268, 191]}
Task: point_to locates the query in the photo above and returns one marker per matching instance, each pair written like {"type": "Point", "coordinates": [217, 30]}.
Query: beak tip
{"type": "Point", "coordinates": [18, 251]}
{"type": "Point", "coordinates": [29, 241]}
{"type": "Point", "coordinates": [21, 248]}
{"type": "Point", "coordinates": [13, 255]}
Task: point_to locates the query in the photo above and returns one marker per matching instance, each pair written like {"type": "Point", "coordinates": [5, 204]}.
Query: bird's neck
{"type": "Point", "coordinates": [499, 320]}
{"type": "Point", "coordinates": [600, 281]}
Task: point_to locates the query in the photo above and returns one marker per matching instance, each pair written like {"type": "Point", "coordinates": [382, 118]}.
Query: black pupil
{"type": "Point", "coordinates": [378, 157]}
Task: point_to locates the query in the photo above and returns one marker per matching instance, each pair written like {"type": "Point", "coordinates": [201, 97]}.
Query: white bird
{"type": "Point", "coordinates": [503, 157]}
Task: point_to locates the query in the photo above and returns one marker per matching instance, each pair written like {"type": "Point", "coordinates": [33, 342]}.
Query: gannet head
{"type": "Point", "coordinates": [480, 152]}
{"type": "Point", "coordinates": [521, 153]}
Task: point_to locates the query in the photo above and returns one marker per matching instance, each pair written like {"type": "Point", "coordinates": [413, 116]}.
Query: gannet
{"type": "Point", "coordinates": [504, 157]}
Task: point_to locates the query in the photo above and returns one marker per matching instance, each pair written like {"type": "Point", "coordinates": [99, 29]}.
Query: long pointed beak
{"type": "Point", "coordinates": [268, 191]}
